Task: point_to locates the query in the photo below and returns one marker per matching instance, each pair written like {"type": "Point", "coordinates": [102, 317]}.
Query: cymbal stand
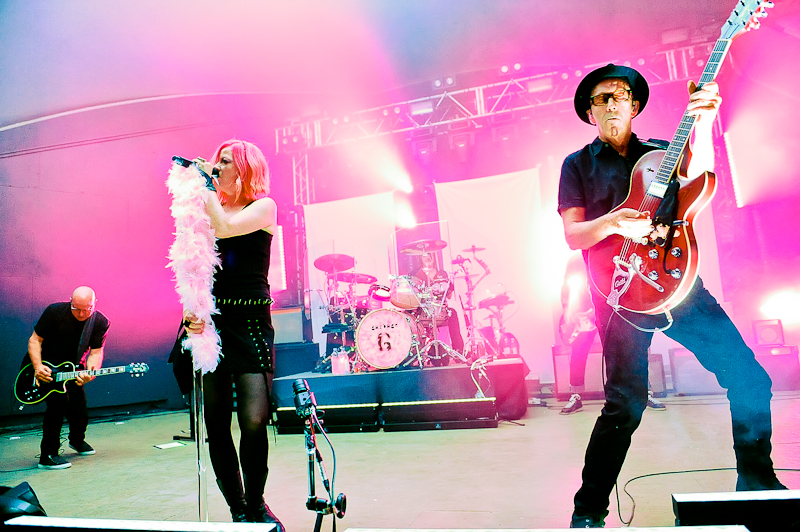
{"type": "Point", "coordinates": [472, 345]}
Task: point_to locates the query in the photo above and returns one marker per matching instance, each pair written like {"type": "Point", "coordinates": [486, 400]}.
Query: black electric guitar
{"type": "Point", "coordinates": [653, 275]}
{"type": "Point", "coordinates": [29, 390]}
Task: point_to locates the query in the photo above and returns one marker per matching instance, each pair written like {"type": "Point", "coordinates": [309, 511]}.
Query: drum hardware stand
{"type": "Point", "coordinates": [473, 345]}
{"type": "Point", "coordinates": [434, 342]}
{"type": "Point", "coordinates": [306, 409]}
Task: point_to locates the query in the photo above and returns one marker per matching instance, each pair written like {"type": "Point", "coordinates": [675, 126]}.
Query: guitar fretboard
{"type": "Point", "coordinates": [69, 375]}
{"type": "Point", "coordinates": [669, 163]}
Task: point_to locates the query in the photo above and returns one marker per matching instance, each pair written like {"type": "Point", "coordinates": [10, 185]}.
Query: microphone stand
{"type": "Point", "coordinates": [306, 408]}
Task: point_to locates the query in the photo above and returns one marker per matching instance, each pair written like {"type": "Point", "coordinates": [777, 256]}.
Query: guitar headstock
{"type": "Point", "coordinates": [137, 369]}
{"type": "Point", "coordinates": [746, 16]}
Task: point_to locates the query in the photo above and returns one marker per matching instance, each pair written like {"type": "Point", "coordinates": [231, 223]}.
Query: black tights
{"type": "Point", "coordinates": [252, 410]}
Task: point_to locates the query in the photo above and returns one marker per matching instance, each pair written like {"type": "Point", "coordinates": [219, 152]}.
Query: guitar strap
{"type": "Point", "coordinates": [86, 335]}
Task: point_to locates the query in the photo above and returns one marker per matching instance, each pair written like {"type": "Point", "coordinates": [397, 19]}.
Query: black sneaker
{"type": "Point", "coordinates": [53, 461]}
{"type": "Point", "coordinates": [573, 405]}
{"type": "Point", "coordinates": [82, 448]}
{"type": "Point", "coordinates": [583, 521]}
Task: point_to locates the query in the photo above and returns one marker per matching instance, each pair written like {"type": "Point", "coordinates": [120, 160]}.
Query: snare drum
{"type": "Point", "coordinates": [384, 338]}
{"type": "Point", "coordinates": [404, 293]}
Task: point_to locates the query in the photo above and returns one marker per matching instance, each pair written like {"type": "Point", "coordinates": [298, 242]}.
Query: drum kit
{"type": "Point", "coordinates": [374, 337]}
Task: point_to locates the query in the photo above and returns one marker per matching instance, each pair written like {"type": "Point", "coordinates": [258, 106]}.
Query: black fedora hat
{"type": "Point", "coordinates": [641, 92]}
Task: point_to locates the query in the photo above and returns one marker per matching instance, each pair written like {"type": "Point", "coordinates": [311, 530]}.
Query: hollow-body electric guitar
{"type": "Point", "coordinates": [29, 390]}
{"type": "Point", "coordinates": [653, 275]}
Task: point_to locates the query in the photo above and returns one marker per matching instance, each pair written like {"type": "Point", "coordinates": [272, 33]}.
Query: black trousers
{"type": "Point", "coordinates": [703, 327]}
{"type": "Point", "coordinates": [71, 405]}
{"type": "Point", "coordinates": [577, 360]}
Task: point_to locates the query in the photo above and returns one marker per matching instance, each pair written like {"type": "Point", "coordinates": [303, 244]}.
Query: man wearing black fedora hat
{"type": "Point", "coordinates": [594, 181]}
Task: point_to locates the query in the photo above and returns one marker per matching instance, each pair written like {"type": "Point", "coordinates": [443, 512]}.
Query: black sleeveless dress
{"type": "Point", "coordinates": [242, 295]}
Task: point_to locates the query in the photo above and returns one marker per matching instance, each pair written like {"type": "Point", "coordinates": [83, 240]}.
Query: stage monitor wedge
{"type": "Point", "coordinates": [29, 523]}
{"type": "Point", "coordinates": [759, 511]}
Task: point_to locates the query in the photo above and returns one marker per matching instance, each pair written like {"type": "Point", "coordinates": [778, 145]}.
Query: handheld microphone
{"type": "Point", "coordinates": [186, 163]}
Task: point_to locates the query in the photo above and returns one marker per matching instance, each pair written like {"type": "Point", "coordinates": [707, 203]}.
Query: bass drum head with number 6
{"type": "Point", "coordinates": [384, 338]}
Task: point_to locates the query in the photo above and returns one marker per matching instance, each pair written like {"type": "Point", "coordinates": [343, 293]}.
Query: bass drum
{"type": "Point", "coordinates": [384, 338]}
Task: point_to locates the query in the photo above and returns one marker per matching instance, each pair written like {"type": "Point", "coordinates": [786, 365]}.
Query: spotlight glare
{"type": "Point", "coordinates": [784, 305]}
{"type": "Point", "coordinates": [404, 217]}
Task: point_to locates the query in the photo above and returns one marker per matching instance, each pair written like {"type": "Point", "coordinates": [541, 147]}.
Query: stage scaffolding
{"type": "Point", "coordinates": [471, 108]}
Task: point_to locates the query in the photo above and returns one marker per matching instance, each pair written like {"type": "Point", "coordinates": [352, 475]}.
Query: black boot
{"type": "Point", "coordinates": [258, 511]}
{"type": "Point", "coordinates": [754, 467]}
{"type": "Point", "coordinates": [231, 488]}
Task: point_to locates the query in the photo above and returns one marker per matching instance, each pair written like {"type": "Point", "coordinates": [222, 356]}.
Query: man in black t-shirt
{"type": "Point", "coordinates": [594, 181]}
{"type": "Point", "coordinates": [67, 332]}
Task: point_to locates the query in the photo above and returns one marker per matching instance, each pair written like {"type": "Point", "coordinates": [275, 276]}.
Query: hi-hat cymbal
{"type": "Point", "coordinates": [500, 301]}
{"type": "Point", "coordinates": [421, 247]}
{"type": "Point", "coordinates": [335, 262]}
{"type": "Point", "coordinates": [350, 277]}
{"type": "Point", "coordinates": [473, 249]}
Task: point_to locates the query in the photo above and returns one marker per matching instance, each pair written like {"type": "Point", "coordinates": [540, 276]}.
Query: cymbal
{"type": "Point", "coordinates": [335, 262]}
{"type": "Point", "coordinates": [350, 277]}
{"type": "Point", "coordinates": [473, 249]}
{"type": "Point", "coordinates": [421, 247]}
{"type": "Point", "coordinates": [500, 300]}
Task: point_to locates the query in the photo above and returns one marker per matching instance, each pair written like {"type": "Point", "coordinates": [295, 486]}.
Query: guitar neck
{"type": "Point", "coordinates": [70, 375]}
{"type": "Point", "coordinates": [681, 138]}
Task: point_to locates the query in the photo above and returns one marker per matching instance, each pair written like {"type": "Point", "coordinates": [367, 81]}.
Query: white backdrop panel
{"type": "Point", "coordinates": [525, 253]}
{"type": "Point", "coordinates": [359, 227]}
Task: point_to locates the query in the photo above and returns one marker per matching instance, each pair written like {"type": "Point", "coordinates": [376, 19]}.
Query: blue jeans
{"type": "Point", "coordinates": [705, 329]}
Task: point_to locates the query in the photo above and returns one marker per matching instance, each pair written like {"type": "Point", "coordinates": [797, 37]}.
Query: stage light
{"type": "Point", "coordinates": [578, 73]}
{"type": "Point", "coordinates": [540, 84]}
{"type": "Point", "coordinates": [640, 62]}
{"type": "Point", "coordinates": [504, 69]}
{"type": "Point", "coordinates": [421, 107]}
{"type": "Point", "coordinates": [784, 305]}
{"type": "Point", "coordinates": [517, 66]}
{"type": "Point", "coordinates": [450, 81]}
{"type": "Point", "coordinates": [437, 84]}
{"type": "Point", "coordinates": [397, 110]}
{"type": "Point", "coordinates": [385, 112]}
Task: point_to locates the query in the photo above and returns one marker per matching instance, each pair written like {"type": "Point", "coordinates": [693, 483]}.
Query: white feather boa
{"type": "Point", "coordinates": [192, 259]}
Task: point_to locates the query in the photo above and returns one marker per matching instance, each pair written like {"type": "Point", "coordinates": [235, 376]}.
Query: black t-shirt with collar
{"type": "Point", "coordinates": [61, 332]}
{"type": "Point", "coordinates": [598, 178]}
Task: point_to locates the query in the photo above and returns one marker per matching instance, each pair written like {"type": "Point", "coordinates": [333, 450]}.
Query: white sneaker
{"type": "Point", "coordinates": [573, 405]}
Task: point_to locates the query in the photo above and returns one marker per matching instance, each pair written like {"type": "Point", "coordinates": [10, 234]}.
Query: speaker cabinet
{"type": "Point", "coordinates": [290, 325]}
{"type": "Point", "coordinates": [768, 332]}
{"type": "Point", "coordinates": [759, 511]}
{"type": "Point", "coordinates": [593, 376]}
{"type": "Point", "coordinates": [689, 377]}
{"type": "Point", "coordinates": [294, 358]}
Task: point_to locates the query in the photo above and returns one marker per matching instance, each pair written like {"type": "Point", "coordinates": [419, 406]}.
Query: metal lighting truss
{"type": "Point", "coordinates": [467, 108]}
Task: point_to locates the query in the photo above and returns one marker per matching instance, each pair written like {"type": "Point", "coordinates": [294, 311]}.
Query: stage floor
{"type": "Point", "coordinates": [521, 474]}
